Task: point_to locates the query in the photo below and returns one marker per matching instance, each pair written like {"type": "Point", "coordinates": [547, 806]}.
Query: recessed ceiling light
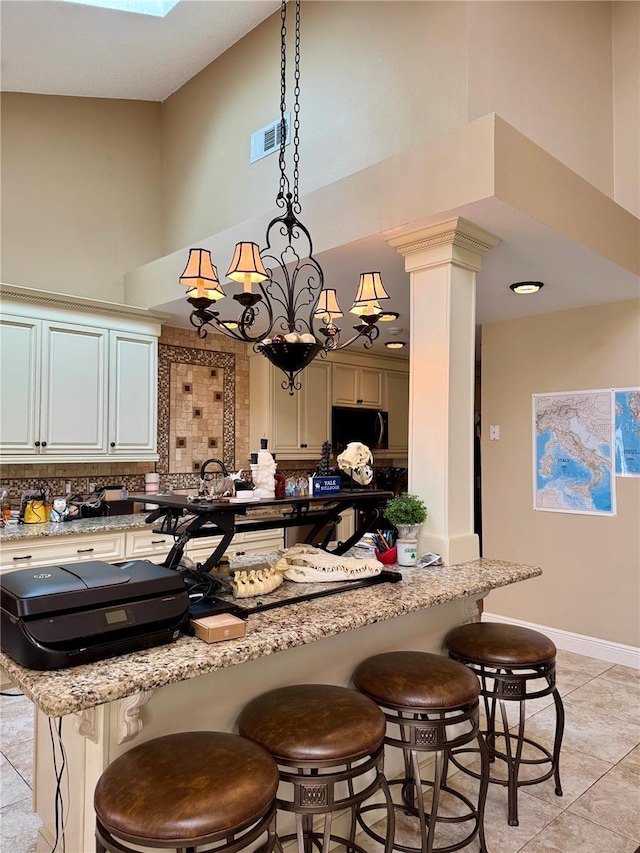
{"type": "Point", "coordinates": [523, 287]}
{"type": "Point", "coordinates": [395, 344]}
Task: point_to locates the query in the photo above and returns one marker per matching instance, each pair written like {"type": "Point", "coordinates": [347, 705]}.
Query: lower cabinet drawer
{"type": "Point", "coordinates": [145, 543]}
{"type": "Point", "coordinates": [49, 551]}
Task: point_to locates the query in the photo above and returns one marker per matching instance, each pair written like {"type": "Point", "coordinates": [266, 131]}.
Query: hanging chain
{"type": "Point", "coordinates": [284, 181]}
{"type": "Point", "coordinates": [296, 114]}
{"type": "Point", "coordinates": [283, 100]}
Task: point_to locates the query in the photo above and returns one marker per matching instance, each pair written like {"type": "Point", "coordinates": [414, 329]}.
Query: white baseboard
{"type": "Point", "coordinates": [580, 644]}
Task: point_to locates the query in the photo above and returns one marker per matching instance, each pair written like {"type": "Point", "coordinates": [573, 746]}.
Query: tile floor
{"type": "Point", "coordinates": [599, 812]}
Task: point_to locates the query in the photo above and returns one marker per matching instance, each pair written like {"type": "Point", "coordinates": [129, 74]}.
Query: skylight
{"type": "Point", "coordinates": [157, 8]}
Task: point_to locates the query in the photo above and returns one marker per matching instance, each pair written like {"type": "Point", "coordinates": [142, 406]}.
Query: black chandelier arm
{"type": "Point", "coordinates": [201, 318]}
{"type": "Point", "coordinates": [369, 333]}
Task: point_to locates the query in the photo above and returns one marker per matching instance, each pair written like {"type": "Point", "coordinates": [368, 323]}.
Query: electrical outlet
{"type": "Point", "coordinates": [67, 488]}
{"type": "Point", "coordinates": [494, 432]}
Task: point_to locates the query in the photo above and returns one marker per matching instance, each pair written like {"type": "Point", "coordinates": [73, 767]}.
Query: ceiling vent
{"type": "Point", "coordinates": [268, 138]}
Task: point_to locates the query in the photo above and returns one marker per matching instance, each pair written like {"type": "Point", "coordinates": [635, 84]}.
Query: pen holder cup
{"type": "Point", "coordinates": [387, 557]}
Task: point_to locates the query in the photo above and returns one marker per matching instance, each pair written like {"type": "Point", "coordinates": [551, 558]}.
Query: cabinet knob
{"type": "Point", "coordinates": [358, 401]}
{"type": "Point", "coordinates": [303, 445]}
{"type": "Point", "coordinates": [37, 444]}
{"type": "Point", "coordinates": [113, 444]}
{"type": "Point", "coordinates": [44, 443]}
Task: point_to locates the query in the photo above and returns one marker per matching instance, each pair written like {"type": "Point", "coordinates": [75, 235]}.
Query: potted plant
{"type": "Point", "coordinates": [406, 512]}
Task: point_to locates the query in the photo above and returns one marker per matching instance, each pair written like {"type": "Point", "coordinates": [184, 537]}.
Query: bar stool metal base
{"type": "Point", "coordinates": [431, 707]}
{"type": "Point", "coordinates": [504, 684]}
{"type": "Point", "coordinates": [328, 743]}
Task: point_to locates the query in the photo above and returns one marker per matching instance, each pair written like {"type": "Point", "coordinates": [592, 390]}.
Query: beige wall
{"type": "Point", "coordinates": [377, 78]}
{"type": "Point", "coordinates": [546, 69]}
{"type": "Point", "coordinates": [116, 184]}
{"type": "Point", "coordinates": [626, 104]}
{"type": "Point", "coordinates": [591, 580]}
{"type": "Point", "coordinates": [80, 192]}
{"type": "Point", "coordinates": [381, 77]}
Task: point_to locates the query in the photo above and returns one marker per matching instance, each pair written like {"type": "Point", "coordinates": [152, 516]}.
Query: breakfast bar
{"type": "Point", "coordinates": [105, 708]}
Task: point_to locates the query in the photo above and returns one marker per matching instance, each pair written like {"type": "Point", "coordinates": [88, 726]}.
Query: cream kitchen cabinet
{"type": "Point", "coordinates": [76, 391]}
{"type": "Point", "coordinates": [396, 402]}
{"type": "Point", "coordinates": [358, 386]}
{"type": "Point", "coordinates": [53, 388]}
{"type": "Point", "coordinates": [295, 424]}
{"type": "Point", "coordinates": [133, 365]}
{"type": "Point", "coordinates": [107, 547]}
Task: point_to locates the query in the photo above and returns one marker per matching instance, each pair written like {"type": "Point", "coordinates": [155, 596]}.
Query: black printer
{"type": "Point", "coordinates": [62, 616]}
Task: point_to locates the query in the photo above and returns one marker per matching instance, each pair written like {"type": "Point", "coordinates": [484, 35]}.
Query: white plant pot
{"type": "Point", "coordinates": [408, 531]}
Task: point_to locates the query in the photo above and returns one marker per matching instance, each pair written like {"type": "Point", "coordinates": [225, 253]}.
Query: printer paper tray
{"type": "Point", "coordinates": [19, 644]}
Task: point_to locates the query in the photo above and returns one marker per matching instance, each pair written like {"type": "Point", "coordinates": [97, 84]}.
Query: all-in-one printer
{"type": "Point", "coordinates": [62, 616]}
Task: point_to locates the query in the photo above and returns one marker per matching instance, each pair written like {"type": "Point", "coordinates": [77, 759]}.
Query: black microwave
{"type": "Point", "coordinates": [368, 426]}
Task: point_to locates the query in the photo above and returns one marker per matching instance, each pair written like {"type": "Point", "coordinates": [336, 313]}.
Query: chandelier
{"type": "Point", "coordinates": [291, 316]}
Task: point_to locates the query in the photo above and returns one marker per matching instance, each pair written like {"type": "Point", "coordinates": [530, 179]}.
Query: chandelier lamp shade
{"type": "Point", "coordinates": [285, 311]}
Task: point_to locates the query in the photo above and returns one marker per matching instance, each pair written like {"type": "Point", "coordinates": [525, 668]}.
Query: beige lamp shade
{"type": "Point", "coordinates": [247, 266]}
{"type": "Point", "coordinates": [328, 305]}
{"type": "Point", "coordinates": [200, 276]}
{"type": "Point", "coordinates": [370, 288]}
{"type": "Point", "coordinates": [369, 308]}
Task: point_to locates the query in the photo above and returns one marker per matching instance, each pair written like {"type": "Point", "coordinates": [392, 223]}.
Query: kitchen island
{"type": "Point", "coordinates": [109, 706]}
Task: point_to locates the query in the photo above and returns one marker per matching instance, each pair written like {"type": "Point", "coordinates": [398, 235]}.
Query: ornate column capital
{"type": "Point", "coordinates": [451, 241]}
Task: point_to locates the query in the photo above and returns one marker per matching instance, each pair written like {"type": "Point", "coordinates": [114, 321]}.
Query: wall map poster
{"type": "Point", "coordinates": [627, 432]}
{"type": "Point", "coordinates": [573, 443]}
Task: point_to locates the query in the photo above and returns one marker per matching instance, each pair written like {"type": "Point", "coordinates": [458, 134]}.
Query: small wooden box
{"type": "Point", "coordinates": [212, 629]}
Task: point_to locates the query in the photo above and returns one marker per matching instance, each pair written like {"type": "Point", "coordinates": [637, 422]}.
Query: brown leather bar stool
{"type": "Point", "coordinates": [204, 790]}
{"type": "Point", "coordinates": [431, 706]}
{"type": "Point", "coordinates": [322, 737]}
{"type": "Point", "coordinates": [511, 662]}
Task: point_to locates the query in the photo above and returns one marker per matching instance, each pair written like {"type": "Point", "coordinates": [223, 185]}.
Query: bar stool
{"type": "Point", "coordinates": [510, 661]}
{"type": "Point", "coordinates": [431, 706]}
{"type": "Point", "coordinates": [321, 736]}
{"type": "Point", "coordinates": [182, 791]}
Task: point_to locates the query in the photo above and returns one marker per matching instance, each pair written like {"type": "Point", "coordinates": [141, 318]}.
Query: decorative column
{"type": "Point", "coordinates": [443, 260]}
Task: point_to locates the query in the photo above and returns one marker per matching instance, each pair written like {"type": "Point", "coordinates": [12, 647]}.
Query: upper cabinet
{"type": "Point", "coordinates": [295, 424]}
{"type": "Point", "coordinates": [76, 391]}
{"type": "Point", "coordinates": [396, 402]}
{"type": "Point", "coordinates": [358, 386]}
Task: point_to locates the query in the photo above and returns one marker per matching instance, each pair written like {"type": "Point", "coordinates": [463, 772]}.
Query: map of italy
{"type": "Point", "coordinates": [573, 444]}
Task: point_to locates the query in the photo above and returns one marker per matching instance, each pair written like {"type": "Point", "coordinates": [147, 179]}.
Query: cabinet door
{"type": "Point", "coordinates": [315, 409]}
{"type": "Point", "coordinates": [397, 404]}
{"type": "Point", "coordinates": [345, 384]}
{"type": "Point", "coordinates": [19, 385]}
{"type": "Point", "coordinates": [73, 417]}
{"type": "Point", "coordinates": [370, 387]}
{"type": "Point", "coordinates": [286, 419]}
{"type": "Point", "coordinates": [361, 386]}
{"type": "Point", "coordinates": [132, 394]}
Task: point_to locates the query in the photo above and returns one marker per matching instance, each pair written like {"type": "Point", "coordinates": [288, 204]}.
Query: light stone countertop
{"type": "Point", "coordinates": [66, 691]}
{"type": "Point", "coordinates": [15, 532]}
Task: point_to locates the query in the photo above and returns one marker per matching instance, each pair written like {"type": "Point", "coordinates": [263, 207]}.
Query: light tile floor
{"type": "Point", "coordinates": [600, 766]}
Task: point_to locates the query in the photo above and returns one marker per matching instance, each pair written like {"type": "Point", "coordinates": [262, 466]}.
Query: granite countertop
{"type": "Point", "coordinates": [67, 691]}
{"type": "Point", "coordinates": [15, 532]}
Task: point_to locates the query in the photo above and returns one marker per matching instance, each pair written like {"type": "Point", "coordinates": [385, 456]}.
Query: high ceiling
{"type": "Point", "coordinates": [51, 47]}
{"type": "Point", "coordinates": [63, 48]}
